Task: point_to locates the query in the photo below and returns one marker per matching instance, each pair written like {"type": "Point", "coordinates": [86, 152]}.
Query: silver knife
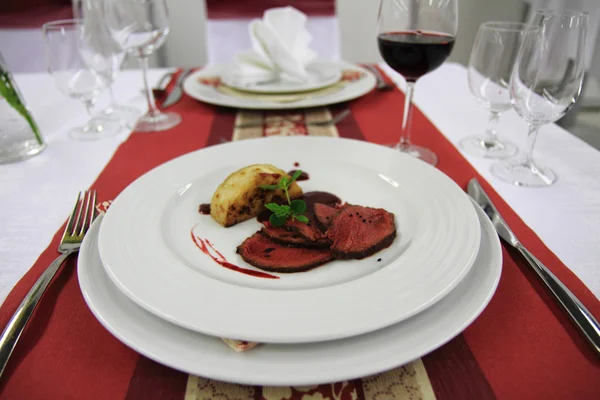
{"type": "Point", "coordinates": [583, 319]}
{"type": "Point", "coordinates": [177, 91]}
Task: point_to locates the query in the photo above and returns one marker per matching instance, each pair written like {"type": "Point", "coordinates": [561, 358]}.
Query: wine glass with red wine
{"type": "Point", "coordinates": [415, 37]}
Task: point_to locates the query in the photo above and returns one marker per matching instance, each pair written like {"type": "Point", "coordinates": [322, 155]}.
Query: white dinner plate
{"type": "Point", "coordinates": [320, 74]}
{"type": "Point", "coordinates": [149, 243]}
{"type": "Point", "coordinates": [209, 94]}
{"type": "Point", "coordinates": [301, 364]}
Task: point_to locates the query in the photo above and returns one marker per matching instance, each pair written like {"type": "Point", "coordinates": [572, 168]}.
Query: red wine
{"type": "Point", "coordinates": [413, 54]}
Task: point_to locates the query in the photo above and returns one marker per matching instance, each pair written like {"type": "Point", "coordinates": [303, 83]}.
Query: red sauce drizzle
{"type": "Point", "coordinates": [204, 209]}
{"type": "Point", "coordinates": [204, 244]}
{"type": "Point", "coordinates": [296, 164]}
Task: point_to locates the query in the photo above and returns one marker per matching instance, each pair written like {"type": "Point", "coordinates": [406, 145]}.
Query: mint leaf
{"type": "Point", "coordinates": [277, 220]}
{"type": "Point", "coordinates": [269, 187]}
{"type": "Point", "coordinates": [281, 210]}
{"type": "Point", "coordinates": [283, 183]}
{"type": "Point", "coordinates": [298, 206]}
{"type": "Point", "coordinates": [301, 218]}
{"type": "Point", "coordinates": [294, 177]}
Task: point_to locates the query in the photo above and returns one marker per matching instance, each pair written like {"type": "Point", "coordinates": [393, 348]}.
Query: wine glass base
{"type": "Point", "coordinates": [483, 147]}
{"type": "Point", "coordinates": [96, 129]}
{"type": "Point", "coordinates": [416, 151]}
{"type": "Point", "coordinates": [157, 122]}
{"type": "Point", "coordinates": [521, 173]}
{"type": "Point", "coordinates": [127, 115]}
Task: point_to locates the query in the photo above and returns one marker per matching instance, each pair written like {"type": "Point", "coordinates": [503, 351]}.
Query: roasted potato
{"type": "Point", "coordinates": [240, 197]}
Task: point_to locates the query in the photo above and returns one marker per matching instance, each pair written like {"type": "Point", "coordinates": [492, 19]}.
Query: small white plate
{"type": "Point", "coordinates": [302, 364]}
{"type": "Point", "coordinates": [147, 247]}
{"type": "Point", "coordinates": [209, 94]}
{"type": "Point", "coordinates": [320, 74]}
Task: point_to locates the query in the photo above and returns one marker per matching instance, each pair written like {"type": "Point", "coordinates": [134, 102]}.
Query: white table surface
{"type": "Point", "coordinates": [36, 195]}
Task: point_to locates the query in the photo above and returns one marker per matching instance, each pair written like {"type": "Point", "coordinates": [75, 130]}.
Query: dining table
{"type": "Point", "coordinates": [522, 346]}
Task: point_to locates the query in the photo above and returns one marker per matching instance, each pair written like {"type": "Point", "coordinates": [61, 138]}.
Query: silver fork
{"type": "Point", "coordinates": [382, 85]}
{"type": "Point", "coordinates": [79, 222]}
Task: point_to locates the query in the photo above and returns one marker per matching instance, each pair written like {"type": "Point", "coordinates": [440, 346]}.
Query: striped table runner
{"type": "Point", "coordinates": [521, 347]}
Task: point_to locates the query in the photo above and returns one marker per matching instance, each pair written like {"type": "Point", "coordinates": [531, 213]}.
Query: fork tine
{"type": "Point", "coordinates": [69, 227]}
{"type": "Point", "coordinates": [92, 211]}
{"type": "Point", "coordinates": [85, 211]}
{"type": "Point", "coordinates": [73, 232]}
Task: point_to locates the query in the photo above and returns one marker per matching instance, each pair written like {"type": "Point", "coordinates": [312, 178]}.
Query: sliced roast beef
{"type": "Point", "coordinates": [358, 232]}
{"type": "Point", "coordinates": [309, 231]}
{"type": "Point", "coordinates": [290, 238]}
{"type": "Point", "coordinates": [263, 253]}
{"type": "Point", "coordinates": [325, 213]}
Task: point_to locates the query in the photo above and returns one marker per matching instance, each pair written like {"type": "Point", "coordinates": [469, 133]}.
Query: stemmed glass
{"type": "Point", "coordinates": [103, 54]}
{"type": "Point", "coordinates": [490, 66]}
{"type": "Point", "coordinates": [63, 41]}
{"type": "Point", "coordinates": [140, 27]}
{"type": "Point", "coordinates": [545, 84]}
{"type": "Point", "coordinates": [415, 37]}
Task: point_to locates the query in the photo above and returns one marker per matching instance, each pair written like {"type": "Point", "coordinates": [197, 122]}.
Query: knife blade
{"type": "Point", "coordinates": [177, 92]}
{"type": "Point", "coordinates": [584, 321]}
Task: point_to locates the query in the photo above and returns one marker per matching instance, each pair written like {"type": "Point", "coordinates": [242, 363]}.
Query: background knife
{"type": "Point", "coordinates": [177, 93]}
{"type": "Point", "coordinates": [583, 319]}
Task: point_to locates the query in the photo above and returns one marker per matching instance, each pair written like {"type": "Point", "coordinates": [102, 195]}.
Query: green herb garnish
{"type": "Point", "coordinates": [293, 209]}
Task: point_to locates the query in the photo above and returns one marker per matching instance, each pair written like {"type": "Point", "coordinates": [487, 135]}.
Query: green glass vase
{"type": "Point", "coordinates": [20, 137]}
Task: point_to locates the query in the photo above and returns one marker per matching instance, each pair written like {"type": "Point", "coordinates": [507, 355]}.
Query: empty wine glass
{"type": "Point", "coordinates": [545, 84]}
{"type": "Point", "coordinates": [104, 55]}
{"type": "Point", "coordinates": [140, 27]}
{"type": "Point", "coordinates": [415, 37]}
{"type": "Point", "coordinates": [490, 66]}
{"type": "Point", "coordinates": [63, 40]}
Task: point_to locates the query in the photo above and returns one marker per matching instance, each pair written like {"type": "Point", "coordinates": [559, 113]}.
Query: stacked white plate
{"type": "Point", "coordinates": [148, 283]}
{"type": "Point", "coordinates": [321, 75]}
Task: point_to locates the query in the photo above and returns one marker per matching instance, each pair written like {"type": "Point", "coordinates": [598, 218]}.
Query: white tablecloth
{"type": "Point", "coordinates": [36, 195]}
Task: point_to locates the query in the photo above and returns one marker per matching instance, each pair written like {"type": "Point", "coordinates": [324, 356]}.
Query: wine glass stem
{"type": "Point", "coordinates": [152, 110]}
{"type": "Point", "coordinates": [407, 116]}
{"type": "Point", "coordinates": [531, 138]}
{"type": "Point", "coordinates": [89, 107]}
{"type": "Point", "coordinates": [111, 95]}
{"type": "Point", "coordinates": [491, 129]}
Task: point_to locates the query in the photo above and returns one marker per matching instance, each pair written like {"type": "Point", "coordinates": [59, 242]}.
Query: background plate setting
{"type": "Point", "coordinates": [209, 94]}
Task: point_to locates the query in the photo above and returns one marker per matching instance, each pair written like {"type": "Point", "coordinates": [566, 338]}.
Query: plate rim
{"type": "Point", "coordinates": [326, 100]}
{"type": "Point", "coordinates": [254, 335]}
{"type": "Point", "coordinates": [307, 88]}
{"type": "Point", "coordinates": [325, 375]}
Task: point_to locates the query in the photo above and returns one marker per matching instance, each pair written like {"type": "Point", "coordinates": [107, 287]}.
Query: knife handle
{"type": "Point", "coordinates": [583, 319]}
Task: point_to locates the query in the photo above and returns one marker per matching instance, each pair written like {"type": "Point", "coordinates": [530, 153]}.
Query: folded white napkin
{"type": "Point", "coordinates": [280, 48]}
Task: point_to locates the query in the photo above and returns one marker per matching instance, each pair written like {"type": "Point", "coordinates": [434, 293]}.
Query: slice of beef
{"type": "Point", "coordinates": [358, 232]}
{"type": "Point", "coordinates": [309, 231]}
{"type": "Point", "coordinates": [283, 236]}
{"type": "Point", "coordinates": [325, 213]}
{"type": "Point", "coordinates": [263, 253]}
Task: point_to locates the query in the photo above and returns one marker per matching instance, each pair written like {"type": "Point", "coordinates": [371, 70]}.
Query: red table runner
{"type": "Point", "coordinates": [521, 347]}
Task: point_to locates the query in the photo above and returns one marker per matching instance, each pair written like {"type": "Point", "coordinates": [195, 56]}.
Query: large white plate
{"type": "Point", "coordinates": [208, 94]}
{"type": "Point", "coordinates": [320, 74]}
{"type": "Point", "coordinates": [302, 364]}
{"type": "Point", "coordinates": [148, 251]}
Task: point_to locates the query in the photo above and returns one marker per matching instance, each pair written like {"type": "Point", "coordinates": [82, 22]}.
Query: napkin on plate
{"type": "Point", "coordinates": [280, 48]}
